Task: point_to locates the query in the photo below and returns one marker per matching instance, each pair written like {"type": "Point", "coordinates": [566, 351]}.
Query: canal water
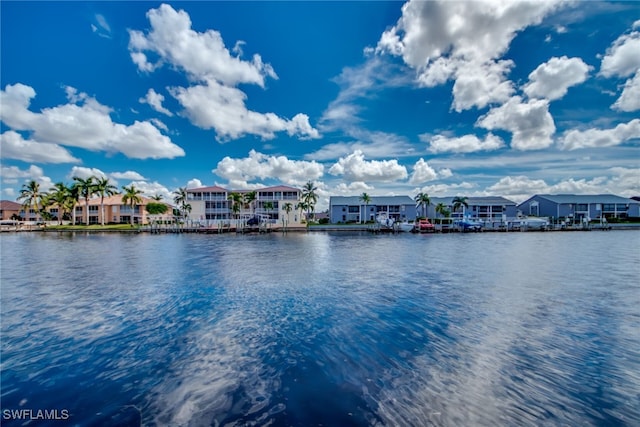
{"type": "Point", "coordinates": [331, 329]}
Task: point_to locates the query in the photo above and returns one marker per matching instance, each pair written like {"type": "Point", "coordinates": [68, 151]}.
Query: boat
{"type": "Point", "coordinates": [467, 224]}
{"type": "Point", "coordinates": [384, 220]}
{"type": "Point", "coordinates": [424, 226]}
{"type": "Point", "coordinates": [406, 226]}
{"type": "Point", "coordinates": [530, 223]}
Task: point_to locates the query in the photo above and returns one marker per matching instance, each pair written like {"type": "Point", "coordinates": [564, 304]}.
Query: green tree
{"type": "Point", "coordinates": [301, 206]}
{"type": "Point", "coordinates": [423, 200]}
{"type": "Point", "coordinates": [366, 199]}
{"type": "Point", "coordinates": [180, 198]}
{"type": "Point", "coordinates": [104, 188]}
{"type": "Point", "coordinates": [287, 207]}
{"type": "Point", "coordinates": [268, 206]}
{"type": "Point", "coordinates": [250, 198]}
{"type": "Point", "coordinates": [156, 208]}
{"type": "Point", "coordinates": [31, 197]}
{"type": "Point", "coordinates": [59, 194]}
{"type": "Point", "coordinates": [459, 202]}
{"type": "Point", "coordinates": [86, 189]}
{"type": "Point", "coordinates": [157, 197]}
{"type": "Point", "coordinates": [310, 198]}
{"type": "Point", "coordinates": [236, 200]}
{"type": "Point", "coordinates": [131, 197]}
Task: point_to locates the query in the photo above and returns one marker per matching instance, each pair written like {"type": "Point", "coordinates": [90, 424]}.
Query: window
{"type": "Point", "coordinates": [582, 207]}
{"type": "Point", "coordinates": [354, 209]}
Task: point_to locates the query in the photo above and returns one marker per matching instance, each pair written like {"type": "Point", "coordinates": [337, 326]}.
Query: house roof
{"type": "Point", "coordinates": [375, 200]}
{"type": "Point", "coordinates": [475, 201]}
{"type": "Point", "coordinates": [212, 189]}
{"type": "Point", "coordinates": [583, 198]}
{"type": "Point", "coordinates": [218, 189]}
{"type": "Point", "coordinates": [8, 205]}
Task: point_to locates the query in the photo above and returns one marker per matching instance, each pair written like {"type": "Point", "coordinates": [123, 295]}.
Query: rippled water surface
{"type": "Point", "coordinates": [343, 329]}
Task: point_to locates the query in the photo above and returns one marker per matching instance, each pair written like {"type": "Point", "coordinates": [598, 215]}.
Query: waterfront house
{"type": "Point", "coordinates": [486, 208]}
{"type": "Point", "coordinates": [211, 205]}
{"type": "Point", "coordinates": [9, 209]}
{"type": "Point", "coordinates": [577, 207]}
{"type": "Point", "coordinates": [344, 209]}
{"type": "Point", "coordinates": [117, 212]}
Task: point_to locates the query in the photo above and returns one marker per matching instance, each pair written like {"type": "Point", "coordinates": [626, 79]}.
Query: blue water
{"type": "Point", "coordinates": [509, 329]}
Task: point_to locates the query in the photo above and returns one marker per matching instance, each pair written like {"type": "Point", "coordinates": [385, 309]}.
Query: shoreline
{"type": "Point", "coordinates": [316, 228]}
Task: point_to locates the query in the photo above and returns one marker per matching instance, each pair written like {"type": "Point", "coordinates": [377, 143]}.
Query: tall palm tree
{"type": "Point", "coordinates": [157, 197]}
{"type": "Point", "coordinates": [441, 209]}
{"type": "Point", "coordinates": [132, 198]}
{"type": "Point", "coordinates": [310, 198]}
{"type": "Point", "coordinates": [366, 199]}
{"type": "Point", "coordinates": [459, 202]}
{"type": "Point", "coordinates": [104, 188]}
{"type": "Point", "coordinates": [249, 198]}
{"type": "Point", "coordinates": [268, 206]}
{"type": "Point", "coordinates": [236, 203]}
{"type": "Point", "coordinates": [31, 196]}
{"type": "Point", "coordinates": [301, 206]}
{"type": "Point", "coordinates": [423, 200]}
{"type": "Point", "coordinates": [180, 197]}
{"type": "Point", "coordinates": [86, 189]}
{"type": "Point", "coordinates": [287, 207]}
{"type": "Point", "coordinates": [60, 194]}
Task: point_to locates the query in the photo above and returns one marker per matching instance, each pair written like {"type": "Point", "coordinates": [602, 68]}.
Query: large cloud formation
{"type": "Point", "coordinates": [83, 123]}
{"type": "Point", "coordinates": [463, 41]}
{"type": "Point", "coordinates": [213, 101]}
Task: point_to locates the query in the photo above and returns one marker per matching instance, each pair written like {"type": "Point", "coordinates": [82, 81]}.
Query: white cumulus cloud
{"type": "Point", "coordinates": [622, 60]}
{"type": "Point", "coordinates": [83, 123]}
{"type": "Point", "coordinates": [552, 79]}
{"type": "Point", "coordinates": [574, 139]}
{"type": "Point", "coordinates": [354, 167]}
{"type": "Point", "coordinates": [463, 144]}
{"type": "Point", "coordinates": [445, 40]}
{"type": "Point", "coordinates": [155, 100]}
{"type": "Point", "coordinates": [262, 166]}
{"type": "Point", "coordinates": [27, 150]}
{"type": "Point", "coordinates": [530, 123]}
{"type": "Point", "coordinates": [213, 101]}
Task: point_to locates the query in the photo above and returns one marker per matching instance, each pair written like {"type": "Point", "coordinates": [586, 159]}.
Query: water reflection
{"type": "Point", "coordinates": [328, 329]}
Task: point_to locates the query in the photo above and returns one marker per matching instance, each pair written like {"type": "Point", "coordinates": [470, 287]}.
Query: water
{"type": "Point", "coordinates": [327, 329]}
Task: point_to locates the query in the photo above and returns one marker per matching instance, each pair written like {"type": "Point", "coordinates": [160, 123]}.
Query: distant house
{"type": "Point", "coordinates": [578, 207]}
{"type": "Point", "coordinates": [210, 205]}
{"type": "Point", "coordinates": [115, 211]}
{"type": "Point", "coordinates": [353, 209]}
{"type": "Point", "coordinates": [9, 209]}
{"type": "Point", "coordinates": [485, 208]}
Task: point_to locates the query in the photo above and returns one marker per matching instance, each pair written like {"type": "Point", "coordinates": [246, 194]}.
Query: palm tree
{"type": "Point", "coordinates": [86, 189]}
{"type": "Point", "coordinates": [104, 188]}
{"type": "Point", "coordinates": [132, 198]}
{"type": "Point", "coordinates": [157, 197]}
{"type": "Point", "coordinates": [423, 200]}
{"type": "Point", "coordinates": [287, 207]}
{"type": "Point", "coordinates": [59, 195]}
{"type": "Point", "coordinates": [249, 198]}
{"type": "Point", "coordinates": [236, 201]}
{"type": "Point", "coordinates": [31, 196]}
{"type": "Point", "coordinates": [180, 197]}
{"type": "Point", "coordinates": [301, 206]}
{"type": "Point", "coordinates": [459, 202]}
{"type": "Point", "coordinates": [268, 206]}
{"type": "Point", "coordinates": [366, 199]}
{"type": "Point", "coordinates": [309, 197]}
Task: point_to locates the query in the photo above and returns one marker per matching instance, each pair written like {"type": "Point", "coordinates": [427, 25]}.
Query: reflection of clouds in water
{"type": "Point", "coordinates": [222, 361]}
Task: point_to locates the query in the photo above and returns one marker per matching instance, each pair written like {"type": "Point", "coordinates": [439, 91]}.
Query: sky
{"type": "Point", "coordinates": [451, 98]}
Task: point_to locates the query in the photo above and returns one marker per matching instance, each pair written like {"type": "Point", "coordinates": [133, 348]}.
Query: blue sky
{"type": "Point", "coordinates": [449, 98]}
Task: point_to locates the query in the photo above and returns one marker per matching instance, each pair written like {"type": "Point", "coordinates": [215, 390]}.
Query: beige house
{"type": "Point", "coordinates": [115, 211]}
